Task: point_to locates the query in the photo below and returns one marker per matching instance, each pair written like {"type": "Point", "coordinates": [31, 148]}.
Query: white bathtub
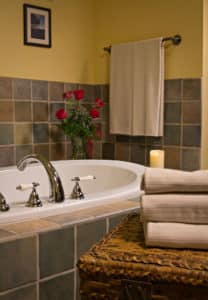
{"type": "Point", "coordinates": [115, 180]}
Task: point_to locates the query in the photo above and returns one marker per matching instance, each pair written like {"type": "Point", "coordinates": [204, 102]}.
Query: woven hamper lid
{"type": "Point", "coordinates": [122, 253]}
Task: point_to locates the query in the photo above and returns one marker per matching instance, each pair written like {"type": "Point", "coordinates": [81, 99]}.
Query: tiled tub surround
{"type": "Point", "coordinates": [27, 123]}
{"type": "Point", "coordinates": [38, 257]}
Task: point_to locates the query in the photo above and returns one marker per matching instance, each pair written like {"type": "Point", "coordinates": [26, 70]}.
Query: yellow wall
{"type": "Point", "coordinates": [130, 20]}
{"type": "Point", "coordinates": [81, 28]}
{"type": "Point", "coordinates": [72, 53]}
{"type": "Point", "coordinates": [204, 148]}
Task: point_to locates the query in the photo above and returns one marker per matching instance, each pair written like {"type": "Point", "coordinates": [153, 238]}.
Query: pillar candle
{"type": "Point", "coordinates": [157, 158]}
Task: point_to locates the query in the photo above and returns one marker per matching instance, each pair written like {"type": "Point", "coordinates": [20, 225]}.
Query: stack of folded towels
{"type": "Point", "coordinates": [174, 208]}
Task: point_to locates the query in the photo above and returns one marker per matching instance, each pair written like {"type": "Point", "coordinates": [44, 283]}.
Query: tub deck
{"type": "Point", "coordinates": [14, 230]}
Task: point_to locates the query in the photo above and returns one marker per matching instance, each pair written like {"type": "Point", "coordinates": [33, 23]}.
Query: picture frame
{"type": "Point", "coordinates": [37, 26]}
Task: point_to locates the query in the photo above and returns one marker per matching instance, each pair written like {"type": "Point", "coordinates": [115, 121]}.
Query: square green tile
{"type": "Point", "coordinates": [39, 90]}
{"type": "Point", "coordinates": [18, 259]}
{"type": "Point", "coordinates": [6, 134]}
{"type": "Point", "coordinates": [23, 111]}
{"type": "Point", "coordinates": [172, 135]}
{"type": "Point", "coordinates": [192, 136]}
{"type": "Point", "coordinates": [88, 234]}
{"type": "Point", "coordinates": [40, 133]}
{"type": "Point", "coordinates": [7, 156]}
{"type": "Point", "coordinates": [22, 88]}
{"type": "Point", "coordinates": [58, 288]}
{"type": "Point", "coordinates": [56, 251]}
{"type": "Point", "coordinates": [56, 90]}
{"type": "Point", "coordinates": [5, 88]}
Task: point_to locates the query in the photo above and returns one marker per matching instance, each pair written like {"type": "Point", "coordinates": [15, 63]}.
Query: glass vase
{"type": "Point", "coordinates": [79, 150]}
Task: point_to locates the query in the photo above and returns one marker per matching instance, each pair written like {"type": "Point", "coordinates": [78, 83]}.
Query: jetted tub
{"type": "Point", "coordinates": [115, 180]}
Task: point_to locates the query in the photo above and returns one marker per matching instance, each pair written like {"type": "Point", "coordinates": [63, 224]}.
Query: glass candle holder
{"type": "Point", "coordinates": [157, 158]}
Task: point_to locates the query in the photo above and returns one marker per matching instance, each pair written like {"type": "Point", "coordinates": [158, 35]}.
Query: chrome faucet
{"type": "Point", "coordinates": [56, 188]}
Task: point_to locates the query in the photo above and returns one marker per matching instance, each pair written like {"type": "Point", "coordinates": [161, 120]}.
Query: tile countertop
{"type": "Point", "coordinates": [25, 228]}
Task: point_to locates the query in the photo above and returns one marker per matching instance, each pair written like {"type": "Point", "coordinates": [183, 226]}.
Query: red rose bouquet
{"type": "Point", "coordinates": [77, 122]}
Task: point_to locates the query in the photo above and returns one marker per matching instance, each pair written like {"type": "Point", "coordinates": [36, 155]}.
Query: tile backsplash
{"type": "Point", "coordinates": [28, 123]}
{"type": "Point", "coordinates": [182, 130]}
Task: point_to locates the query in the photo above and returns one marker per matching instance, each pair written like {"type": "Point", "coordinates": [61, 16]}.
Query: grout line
{"type": "Point", "coordinates": [75, 284]}
{"type": "Point", "coordinates": [49, 132]}
{"type": "Point", "coordinates": [129, 150]}
{"type": "Point", "coordinates": [77, 289]}
{"type": "Point", "coordinates": [17, 288]}
{"type": "Point", "coordinates": [37, 291]}
{"type": "Point", "coordinates": [14, 122]}
{"type": "Point", "coordinates": [107, 224]}
{"type": "Point", "coordinates": [181, 128]}
{"type": "Point", "coordinates": [185, 124]}
{"type": "Point", "coordinates": [56, 275]}
{"type": "Point", "coordinates": [31, 106]}
{"type": "Point", "coordinates": [38, 265]}
{"type": "Point", "coordinates": [25, 122]}
{"type": "Point", "coordinates": [9, 145]}
{"type": "Point", "coordinates": [75, 261]}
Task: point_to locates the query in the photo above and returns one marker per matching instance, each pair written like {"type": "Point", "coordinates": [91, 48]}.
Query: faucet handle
{"type": "Point", "coordinates": [34, 199]}
{"type": "Point", "coordinates": [24, 187]}
{"type": "Point", "coordinates": [77, 192]}
{"type": "Point", "coordinates": [3, 204]}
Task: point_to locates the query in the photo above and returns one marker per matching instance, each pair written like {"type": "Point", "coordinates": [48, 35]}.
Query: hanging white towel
{"type": "Point", "coordinates": [121, 92]}
{"type": "Point", "coordinates": [136, 88]}
{"type": "Point", "coordinates": [148, 88]}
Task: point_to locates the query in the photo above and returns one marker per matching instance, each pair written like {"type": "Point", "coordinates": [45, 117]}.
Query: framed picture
{"type": "Point", "coordinates": [37, 26]}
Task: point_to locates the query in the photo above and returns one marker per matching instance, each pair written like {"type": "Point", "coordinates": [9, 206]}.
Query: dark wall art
{"type": "Point", "coordinates": [37, 26]}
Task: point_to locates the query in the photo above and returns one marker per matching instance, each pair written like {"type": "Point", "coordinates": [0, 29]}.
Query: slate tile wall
{"type": "Point", "coordinates": [28, 123]}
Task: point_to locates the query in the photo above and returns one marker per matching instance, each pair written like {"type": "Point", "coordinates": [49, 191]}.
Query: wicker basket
{"type": "Point", "coordinates": [121, 267]}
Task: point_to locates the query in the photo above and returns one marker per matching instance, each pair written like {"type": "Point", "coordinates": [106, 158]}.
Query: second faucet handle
{"type": "Point", "coordinates": [82, 178]}
{"type": "Point", "coordinates": [77, 191]}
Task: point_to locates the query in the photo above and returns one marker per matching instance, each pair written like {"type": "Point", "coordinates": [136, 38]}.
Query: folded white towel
{"type": "Point", "coordinates": [158, 180]}
{"type": "Point", "coordinates": [182, 208]}
{"type": "Point", "coordinates": [176, 235]}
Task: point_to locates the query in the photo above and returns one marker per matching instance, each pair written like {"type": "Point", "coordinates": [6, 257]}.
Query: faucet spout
{"type": "Point", "coordinates": [56, 187]}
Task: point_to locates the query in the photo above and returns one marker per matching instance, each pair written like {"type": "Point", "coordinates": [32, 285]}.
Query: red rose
{"type": "Point", "coordinates": [61, 114]}
{"type": "Point", "coordinates": [94, 113]}
{"type": "Point", "coordinates": [67, 95]}
{"type": "Point", "coordinates": [79, 94]}
{"type": "Point", "coordinates": [99, 102]}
